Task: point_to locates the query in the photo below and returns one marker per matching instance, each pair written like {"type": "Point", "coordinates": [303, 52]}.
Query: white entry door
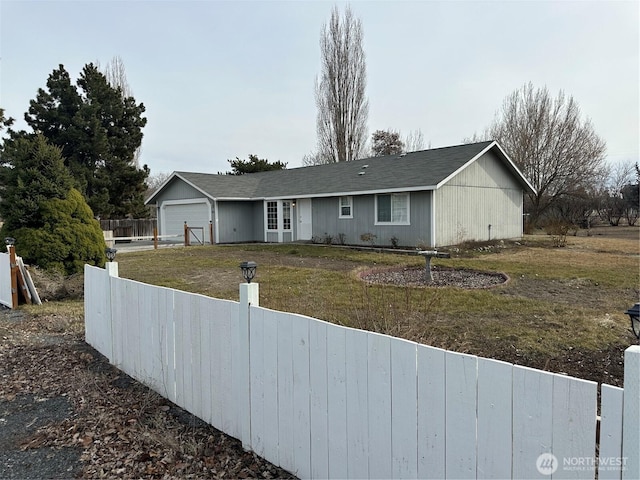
{"type": "Point", "coordinates": [304, 219]}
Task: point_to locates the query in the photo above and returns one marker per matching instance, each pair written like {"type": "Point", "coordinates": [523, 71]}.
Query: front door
{"type": "Point", "coordinates": [305, 231]}
{"type": "Point", "coordinates": [278, 221]}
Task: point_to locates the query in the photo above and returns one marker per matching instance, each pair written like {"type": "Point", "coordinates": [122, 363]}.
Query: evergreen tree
{"type": "Point", "coordinates": [253, 165]}
{"type": "Point", "coordinates": [32, 171]}
{"type": "Point", "coordinates": [386, 142]}
{"type": "Point", "coordinates": [99, 131]}
{"type": "Point", "coordinates": [53, 226]}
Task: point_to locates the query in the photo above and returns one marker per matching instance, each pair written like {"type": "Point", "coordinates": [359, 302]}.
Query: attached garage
{"type": "Point", "coordinates": [195, 211]}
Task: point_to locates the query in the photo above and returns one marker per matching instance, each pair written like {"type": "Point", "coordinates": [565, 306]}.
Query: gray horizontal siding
{"type": "Point", "coordinates": [326, 221]}
{"type": "Point", "coordinates": [178, 190]}
{"type": "Point", "coordinates": [238, 222]}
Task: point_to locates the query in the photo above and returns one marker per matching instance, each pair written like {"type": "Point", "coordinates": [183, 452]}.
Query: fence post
{"type": "Point", "coordinates": [111, 268]}
{"type": "Point", "coordinates": [249, 295]}
{"type": "Point", "coordinates": [155, 238]}
{"type": "Point", "coordinates": [186, 234]}
{"type": "Point", "coordinates": [211, 232]}
{"type": "Point", "coordinates": [631, 414]}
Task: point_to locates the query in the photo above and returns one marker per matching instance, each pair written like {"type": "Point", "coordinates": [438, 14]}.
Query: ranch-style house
{"type": "Point", "coordinates": [437, 197]}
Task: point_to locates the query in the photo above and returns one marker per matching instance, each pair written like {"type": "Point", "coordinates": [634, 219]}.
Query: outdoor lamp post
{"type": "Point", "coordinates": [9, 241]}
{"type": "Point", "coordinates": [111, 254]}
{"type": "Point", "coordinates": [634, 315]}
{"type": "Point", "coordinates": [248, 270]}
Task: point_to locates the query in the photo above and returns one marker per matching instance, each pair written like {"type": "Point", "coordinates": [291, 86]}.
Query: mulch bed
{"type": "Point", "coordinates": [442, 277]}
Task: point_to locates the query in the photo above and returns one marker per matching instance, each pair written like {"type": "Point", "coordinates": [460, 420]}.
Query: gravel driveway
{"type": "Point", "coordinates": [20, 418]}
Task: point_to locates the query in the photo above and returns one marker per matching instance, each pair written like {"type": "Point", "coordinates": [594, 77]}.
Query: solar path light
{"type": "Point", "coordinates": [111, 254]}
{"type": "Point", "coordinates": [248, 270]}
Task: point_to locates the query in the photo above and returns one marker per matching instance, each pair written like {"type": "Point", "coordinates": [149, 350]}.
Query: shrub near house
{"type": "Point", "coordinates": [53, 226]}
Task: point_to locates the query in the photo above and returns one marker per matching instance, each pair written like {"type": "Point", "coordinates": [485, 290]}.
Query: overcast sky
{"type": "Point", "coordinates": [227, 79]}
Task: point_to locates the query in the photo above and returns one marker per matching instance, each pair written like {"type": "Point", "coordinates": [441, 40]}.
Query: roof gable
{"type": "Point", "coordinates": [422, 170]}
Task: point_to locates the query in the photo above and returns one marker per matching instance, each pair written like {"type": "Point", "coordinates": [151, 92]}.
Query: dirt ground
{"type": "Point", "coordinates": [65, 413]}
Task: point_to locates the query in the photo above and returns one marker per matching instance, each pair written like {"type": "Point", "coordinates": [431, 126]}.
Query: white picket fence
{"type": "Point", "coordinates": [325, 401]}
{"type": "Point", "coordinates": [5, 280]}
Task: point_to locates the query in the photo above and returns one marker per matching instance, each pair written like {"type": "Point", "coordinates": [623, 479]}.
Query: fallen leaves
{"type": "Point", "coordinates": [123, 428]}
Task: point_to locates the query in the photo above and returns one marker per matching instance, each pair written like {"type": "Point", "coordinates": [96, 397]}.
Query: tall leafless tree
{"type": "Point", "coordinates": [116, 76]}
{"type": "Point", "coordinates": [555, 149]}
{"type": "Point", "coordinates": [414, 141]}
{"type": "Point", "coordinates": [343, 108]}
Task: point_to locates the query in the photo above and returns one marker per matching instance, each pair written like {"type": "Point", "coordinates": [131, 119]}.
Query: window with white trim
{"type": "Point", "coordinates": [286, 215]}
{"type": "Point", "coordinates": [392, 209]}
{"type": "Point", "coordinates": [272, 215]}
{"type": "Point", "coordinates": [345, 207]}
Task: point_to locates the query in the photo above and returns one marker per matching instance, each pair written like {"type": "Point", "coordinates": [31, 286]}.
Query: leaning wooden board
{"type": "Point", "coordinates": [28, 281]}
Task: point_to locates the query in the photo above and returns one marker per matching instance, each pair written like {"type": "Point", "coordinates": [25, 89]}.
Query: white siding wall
{"type": "Point", "coordinates": [483, 194]}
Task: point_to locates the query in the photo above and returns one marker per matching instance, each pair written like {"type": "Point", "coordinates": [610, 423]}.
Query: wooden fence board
{"type": "Point", "coordinates": [270, 362]}
{"type": "Point", "coordinates": [167, 337]}
{"type": "Point", "coordinates": [631, 413]}
{"type": "Point", "coordinates": [256, 360]}
{"type": "Point", "coordinates": [207, 351]}
{"type": "Point", "coordinates": [404, 409]}
{"type": "Point", "coordinates": [6, 297]}
{"type": "Point", "coordinates": [195, 331]}
{"type": "Point", "coordinates": [285, 392]}
{"type": "Point", "coordinates": [97, 308]}
{"type": "Point", "coordinates": [532, 420]}
{"type": "Point", "coordinates": [318, 399]}
{"type": "Point", "coordinates": [301, 409]}
{"type": "Point", "coordinates": [574, 426]}
{"type": "Point", "coordinates": [379, 385]}
{"type": "Point", "coordinates": [610, 433]}
{"type": "Point", "coordinates": [461, 395]}
{"type": "Point", "coordinates": [224, 405]}
{"type": "Point", "coordinates": [432, 412]}
{"type": "Point", "coordinates": [149, 346]}
{"type": "Point", "coordinates": [182, 309]}
{"type": "Point", "coordinates": [357, 405]}
{"type": "Point", "coordinates": [117, 301]}
{"type": "Point", "coordinates": [337, 401]}
{"type": "Point", "coordinates": [494, 418]}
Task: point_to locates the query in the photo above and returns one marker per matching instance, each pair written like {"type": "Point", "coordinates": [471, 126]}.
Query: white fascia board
{"type": "Point", "coordinates": [453, 174]}
{"type": "Point", "coordinates": [193, 185]}
{"type": "Point", "coordinates": [358, 192]}
{"type": "Point", "coordinates": [176, 175]}
{"type": "Point", "coordinates": [157, 190]}
{"type": "Point", "coordinates": [505, 157]}
{"type": "Point", "coordinates": [516, 169]}
{"type": "Point", "coordinates": [237, 199]}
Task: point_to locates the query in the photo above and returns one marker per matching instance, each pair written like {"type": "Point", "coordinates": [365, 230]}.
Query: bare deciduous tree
{"type": "Point", "coordinates": [116, 76]}
{"type": "Point", "coordinates": [555, 149]}
{"type": "Point", "coordinates": [155, 180]}
{"type": "Point", "coordinates": [343, 108]}
{"type": "Point", "coordinates": [414, 141]}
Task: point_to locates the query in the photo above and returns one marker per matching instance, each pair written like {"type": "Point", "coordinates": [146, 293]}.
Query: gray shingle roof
{"type": "Point", "coordinates": [423, 169]}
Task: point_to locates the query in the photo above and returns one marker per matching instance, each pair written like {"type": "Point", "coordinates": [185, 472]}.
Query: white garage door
{"type": "Point", "coordinates": [196, 213]}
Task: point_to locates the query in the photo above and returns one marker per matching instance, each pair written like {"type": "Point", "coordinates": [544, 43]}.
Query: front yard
{"type": "Point", "coordinates": [561, 310]}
